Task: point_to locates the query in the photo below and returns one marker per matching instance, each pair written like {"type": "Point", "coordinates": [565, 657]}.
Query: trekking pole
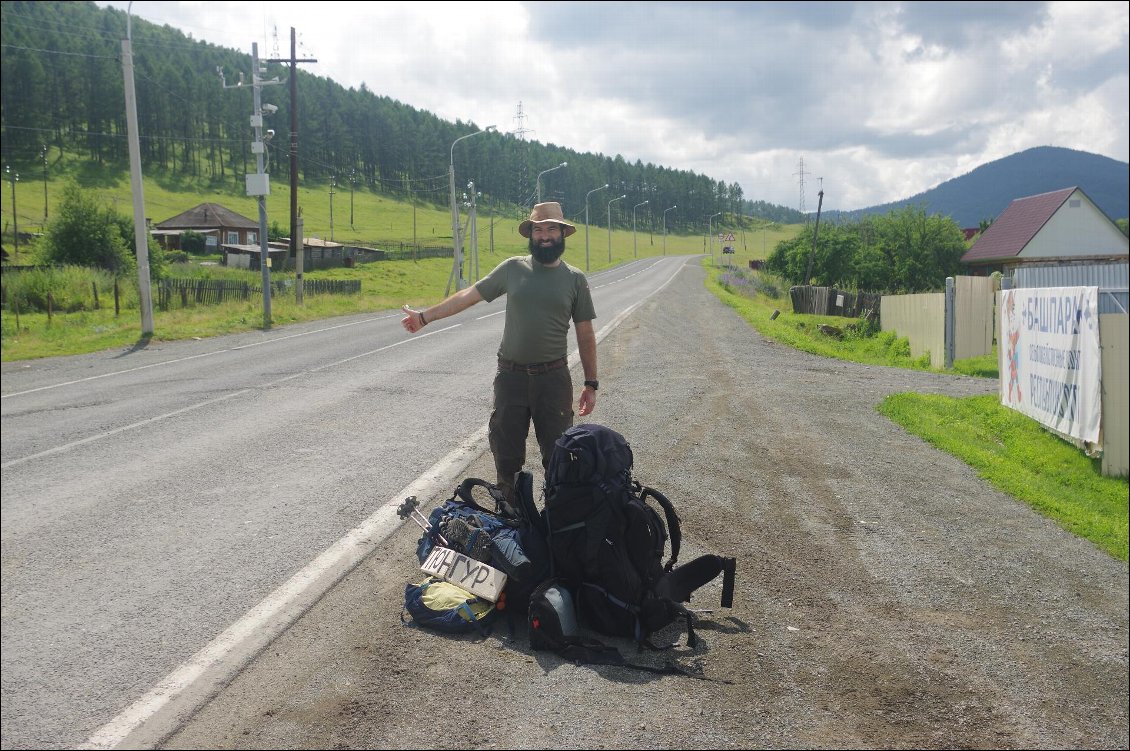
{"type": "Point", "coordinates": [408, 510]}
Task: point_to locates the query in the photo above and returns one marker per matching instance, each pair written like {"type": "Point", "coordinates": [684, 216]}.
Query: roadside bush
{"type": "Point", "coordinates": [749, 283]}
{"type": "Point", "coordinates": [866, 327]}
{"type": "Point", "coordinates": [72, 289]}
{"type": "Point", "coordinates": [84, 232]}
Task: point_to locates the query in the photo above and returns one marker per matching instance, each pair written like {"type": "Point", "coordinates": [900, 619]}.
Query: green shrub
{"type": "Point", "coordinates": [192, 242]}
{"type": "Point", "coordinates": [72, 288]}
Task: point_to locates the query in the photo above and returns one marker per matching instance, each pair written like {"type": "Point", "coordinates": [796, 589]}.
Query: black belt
{"type": "Point", "coordinates": [536, 368]}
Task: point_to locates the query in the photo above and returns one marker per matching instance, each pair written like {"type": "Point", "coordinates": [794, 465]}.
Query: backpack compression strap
{"type": "Point", "coordinates": [673, 528]}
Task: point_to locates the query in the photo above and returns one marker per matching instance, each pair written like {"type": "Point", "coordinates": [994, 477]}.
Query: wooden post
{"type": "Point", "coordinates": [94, 286]}
{"type": "Point", "coordinates": [50, 305]}
{"type": "Point", "coordinates": [117, 299]}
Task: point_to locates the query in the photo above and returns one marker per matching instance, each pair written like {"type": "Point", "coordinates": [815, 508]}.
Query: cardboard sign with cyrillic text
{"type": "Point", "coordinates": [474, 576]}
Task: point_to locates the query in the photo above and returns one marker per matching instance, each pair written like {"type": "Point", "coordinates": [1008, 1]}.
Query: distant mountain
{"type": "Point", "coordinates": [988, 190]}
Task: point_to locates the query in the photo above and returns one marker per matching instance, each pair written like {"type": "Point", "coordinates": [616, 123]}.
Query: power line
{"type": "Point", "coordinates": [57, 52]}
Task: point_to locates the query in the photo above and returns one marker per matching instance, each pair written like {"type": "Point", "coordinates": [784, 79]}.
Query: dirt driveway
{"type": "Point", "coordinates": [887, 597]}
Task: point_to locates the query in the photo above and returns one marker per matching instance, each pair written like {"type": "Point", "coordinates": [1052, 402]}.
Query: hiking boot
{"type": "Point", "coordinates": [467, 539]}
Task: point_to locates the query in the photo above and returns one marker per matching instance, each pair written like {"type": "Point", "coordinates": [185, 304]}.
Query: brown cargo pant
{"type": "Point", "coordinates": [519, 396]}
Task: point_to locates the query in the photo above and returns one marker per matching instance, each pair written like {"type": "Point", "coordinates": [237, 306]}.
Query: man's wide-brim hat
{"type": "Point", "coordinates": [546, 212]}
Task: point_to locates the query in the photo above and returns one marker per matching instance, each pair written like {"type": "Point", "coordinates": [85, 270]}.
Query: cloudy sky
{"type": "Point", "coordinates": [881, 101]}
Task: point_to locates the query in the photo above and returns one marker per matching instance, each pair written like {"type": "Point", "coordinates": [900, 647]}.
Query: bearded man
{"type": "Point", "coordinates": [533, 383]}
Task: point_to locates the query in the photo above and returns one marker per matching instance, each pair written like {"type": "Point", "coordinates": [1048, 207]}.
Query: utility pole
{"type": "Point", "coordinates": [140, 232]}
{"type": "Point", "coordinates": [473, 222]}
{"type": "Point", "coordinates": [44, 185]}
{"type": "Point", "coordinates": [333, 184]}
{"type": "Point", "coordinates": [299, 265]}
{"type": "Point", "coordinates": [259, 184]}
{"type": "Point", "coordinates": [293, 62]}
{"type": "Point", "coordinates": [14, 177]}
{"type": "Point", "coordinates": [815, 233]}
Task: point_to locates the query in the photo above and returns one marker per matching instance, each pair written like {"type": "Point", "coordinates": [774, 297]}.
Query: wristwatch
{"type": "Point", "coordinates": [594, 384]}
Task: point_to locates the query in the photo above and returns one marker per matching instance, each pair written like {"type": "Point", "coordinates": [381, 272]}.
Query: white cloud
{"type": "Point", "coordinates": [882, 100]}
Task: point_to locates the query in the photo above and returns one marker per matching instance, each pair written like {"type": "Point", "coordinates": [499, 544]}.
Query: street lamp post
{"type": "Point", "coordinates": [709, 232]}
{"type": "Point", "coordinates": [543, 172]}
{"type": "Point", "coordinates": [456, 240]}
{"type": "Point", "coordinates": [602, 187]}
{"type": "Point", "coordinates": [352, 183]}
{"type": "Point", "coordinates": [635, 252]}
{"type": "Point", "coordinates": [665, 227]}
{"type": "Point", "coordinates": [614, 200]}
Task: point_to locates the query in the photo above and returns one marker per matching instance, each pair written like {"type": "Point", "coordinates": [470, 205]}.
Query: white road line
{"type": "Point", "coordinates": [180, 694]}
{"type": "Point", "coordinates": [193, 357]}
{"type": "Point", "coordinates": [190, 408]}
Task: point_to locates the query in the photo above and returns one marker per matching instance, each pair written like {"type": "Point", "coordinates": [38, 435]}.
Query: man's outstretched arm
{"type": "Point", "coordinates": [414, 320]}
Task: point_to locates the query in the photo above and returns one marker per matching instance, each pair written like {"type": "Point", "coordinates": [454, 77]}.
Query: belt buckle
{"type": "Point", "coordinates": [534, 369]}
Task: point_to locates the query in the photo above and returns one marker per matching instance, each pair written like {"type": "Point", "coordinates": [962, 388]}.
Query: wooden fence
{"type": "Point", "coordinates": [829, 301]}
{"type": "Point", "coordinates": [215, 291]}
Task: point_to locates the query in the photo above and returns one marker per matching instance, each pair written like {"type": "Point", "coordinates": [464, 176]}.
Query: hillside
{"type": "Point", "coordinates": [988, 190]}
{"type": "Point", "coordinates": [61, 96]}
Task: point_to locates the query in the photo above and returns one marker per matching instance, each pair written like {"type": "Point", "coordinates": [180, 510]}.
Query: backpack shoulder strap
{"type": "Point", "coordinates": [674, 530]}
{"type": "Point", "coordinates": [526, 506]}
{"type": "Point", "coordinates": [678, 585]}
{"type": "Point", "coordinates": [463, 492]}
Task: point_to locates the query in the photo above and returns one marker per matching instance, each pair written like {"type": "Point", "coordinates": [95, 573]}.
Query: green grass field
{"type": "Point", "coordinates": [378, 221]}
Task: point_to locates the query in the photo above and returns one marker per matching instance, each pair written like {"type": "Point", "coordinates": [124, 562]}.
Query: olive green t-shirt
{"type": "Point", "coordinates": [540, 303]}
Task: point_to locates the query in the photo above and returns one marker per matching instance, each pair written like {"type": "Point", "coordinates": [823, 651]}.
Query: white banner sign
{"type": "Point", "coordinates": [1050, 362]}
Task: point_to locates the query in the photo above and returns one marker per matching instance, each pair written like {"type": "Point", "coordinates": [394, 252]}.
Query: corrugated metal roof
{"type": "Point", "coordinates": [1016, 226]}
{"type": "Point", "coordinates": [1110, 277]}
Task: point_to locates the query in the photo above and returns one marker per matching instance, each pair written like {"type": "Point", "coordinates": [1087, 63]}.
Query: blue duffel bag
{"type": "Point", "coordinates": [515, 544]}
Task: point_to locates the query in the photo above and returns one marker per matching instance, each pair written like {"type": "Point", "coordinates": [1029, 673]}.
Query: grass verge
{"type": "Point", "coordinates": [1009, 450]}
{"type": "Point", "coordinates": [1016, 456]}
{"type": "Point", "coordinates": [757, 297]}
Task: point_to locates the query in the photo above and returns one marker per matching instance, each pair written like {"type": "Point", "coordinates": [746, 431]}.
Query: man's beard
{"type": "Point", "coordinates": [546, 254]}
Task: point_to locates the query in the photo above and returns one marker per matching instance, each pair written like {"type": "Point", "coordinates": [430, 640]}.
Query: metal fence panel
{"type": "Point", "coordinates": [1111, 277]}
{"type": "Point", "coordinates": [974, 316]}
{"type": "Point", "coordinates": [920, 319]}
{"type": "Point", "coordinates": [1114, 340]}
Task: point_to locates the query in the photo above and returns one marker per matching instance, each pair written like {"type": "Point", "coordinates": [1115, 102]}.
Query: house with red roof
{"type": "Point", "coordinates": [219, 225]}
{"type": "Point", "coordinates": [1063, 226]}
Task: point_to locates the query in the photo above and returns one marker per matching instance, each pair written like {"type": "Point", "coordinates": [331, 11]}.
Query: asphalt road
{"type": "Point", "coordinates": [221, 571]}
{"type": "Point", "coordinates": [168, 510]}
{"type": "Point", "coordinates": [887, 596]}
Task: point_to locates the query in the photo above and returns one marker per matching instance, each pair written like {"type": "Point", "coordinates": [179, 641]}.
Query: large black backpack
{"type": "Point", "coordinates": [607, 541]}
